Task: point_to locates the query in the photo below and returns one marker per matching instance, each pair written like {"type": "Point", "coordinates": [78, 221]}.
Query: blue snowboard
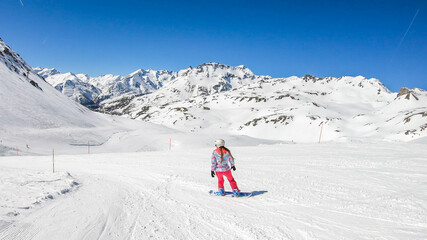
{"type": "Point", "coordinates": [230, 194]}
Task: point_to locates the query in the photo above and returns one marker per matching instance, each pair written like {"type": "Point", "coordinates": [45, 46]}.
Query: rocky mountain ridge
{"type": "Point", "coordinates": [234, 99]}
{"type": "Point", "coordinates": [92, 92]}
{"type": "Point", "coordinates": [28, 101]}
{"type": "Point", "coordinates": [292, 109]}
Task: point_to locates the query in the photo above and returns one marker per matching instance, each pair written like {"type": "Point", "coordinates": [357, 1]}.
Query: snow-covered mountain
{"type": "Point", "coordinates": [13, 61]}
{"type": "Point", "coordinates": [204, 80]}
{"type": "Point", "coordinates": [27, 100]}
{"type": "Point", "coordinates": [45, 72]}
{"type": "Point", "coordinates": [234, 99]}
{"type": "Point", "coordinates": [113, 91]}
{"type": "Point", "coordinates": [32, 111]}
{"type": "Point", "coordinates": [72, 86]}
{"type": "Point", "coordinates": [91, 91]}
{"type": "Point", "coordinates": [140, 82]}
{"type": "Point", "coordinates": [292, 109]}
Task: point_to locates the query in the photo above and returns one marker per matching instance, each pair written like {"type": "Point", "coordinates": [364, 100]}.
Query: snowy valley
{"type": "Point", "coordinates": [131, 155]}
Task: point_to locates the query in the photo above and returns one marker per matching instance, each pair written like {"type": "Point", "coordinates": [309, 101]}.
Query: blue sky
{"type": "Point", "coordinates": [276, 38]}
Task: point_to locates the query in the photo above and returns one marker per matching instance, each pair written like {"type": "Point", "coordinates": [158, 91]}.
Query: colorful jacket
{"type": "Point", "coordinates": [217, 166]}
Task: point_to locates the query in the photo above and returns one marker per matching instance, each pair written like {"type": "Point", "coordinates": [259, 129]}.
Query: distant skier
{"type": "Point", "coordinates": [221, 161]}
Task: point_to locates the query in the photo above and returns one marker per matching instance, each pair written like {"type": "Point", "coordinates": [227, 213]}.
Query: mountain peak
{"type": "Point", "coordinates": [309, 77]}
{"type": "Point", "coordinates": [214, 64]}
{"type": "Point", "coordinates": [241, 66]}
{"type": "Point", "coordinates": [406, 93]}
{"type": "Point", "coordinates": [139, 71]}
{"type": "Point", "coordinates": [12, 60]}
{"type": "Point", "coordinates": [45, 72]}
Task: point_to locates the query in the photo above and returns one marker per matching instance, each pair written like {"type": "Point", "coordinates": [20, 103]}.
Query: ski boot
{"type": "Point", "coordinates": [221, 192]}
{"type": "Point", "coordinates": [236, 193]}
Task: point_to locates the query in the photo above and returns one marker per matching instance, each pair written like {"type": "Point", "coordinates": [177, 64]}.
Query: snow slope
{"type": "Point", "coordinates": [24, 189]}
{"type": "Point", "coordinates": [81, 88]}
{"type": "Point", "coordinates": [31, 108]}
{"type": "Point", "coordinates": [94, 91]}
{"type": "Point", "coordinates": [35, 118]}
{"type": "Point", "coordinates": [30, 102]}
{"type": "Point", "coordinates": [291, 109]}
{"type": "Point", "coordinates": [302, 191]}
{"type": "Point", "coordinates": [91, 91]}
{"type": "Point", "coordinates": [236, 101]}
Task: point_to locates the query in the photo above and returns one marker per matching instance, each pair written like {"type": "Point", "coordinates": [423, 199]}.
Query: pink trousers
{"type": "Point", "coordinates": [230, 178]}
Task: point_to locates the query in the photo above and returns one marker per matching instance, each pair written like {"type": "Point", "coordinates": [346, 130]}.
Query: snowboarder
{"type": "Point", "coordinates": [222, 163]}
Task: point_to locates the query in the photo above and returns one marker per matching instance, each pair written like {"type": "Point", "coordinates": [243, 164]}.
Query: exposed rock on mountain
{"type": "Point", "coordinates": [27, 101]}
{"type": "Point", "coordinates": [407, 94]}
{"type": "Point", "coordinates": [234, 99]}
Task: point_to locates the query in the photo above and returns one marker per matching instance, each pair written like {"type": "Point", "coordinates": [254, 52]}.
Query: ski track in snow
{"type": "Point", "coordinates": [313, 191]}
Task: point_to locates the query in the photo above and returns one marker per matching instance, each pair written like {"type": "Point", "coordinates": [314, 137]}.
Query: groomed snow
{"type": "Point", "coordinates": [24, 189]}
{"type": "Point", "coordinates": [303, 191]}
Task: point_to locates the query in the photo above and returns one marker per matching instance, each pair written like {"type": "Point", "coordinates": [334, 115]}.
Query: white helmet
{"type": "Point", "coordinates": [220, 143]}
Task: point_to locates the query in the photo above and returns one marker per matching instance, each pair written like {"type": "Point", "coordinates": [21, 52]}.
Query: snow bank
{"type": "Point", "coordinates": [24, 189]}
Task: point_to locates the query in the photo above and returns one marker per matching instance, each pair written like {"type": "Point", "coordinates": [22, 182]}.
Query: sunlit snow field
{"type": "Point", "coordinates": [302, 191]}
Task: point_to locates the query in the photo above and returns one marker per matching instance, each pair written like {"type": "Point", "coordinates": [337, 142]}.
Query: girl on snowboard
{"type": "Point", "coordinates": [221, 161]}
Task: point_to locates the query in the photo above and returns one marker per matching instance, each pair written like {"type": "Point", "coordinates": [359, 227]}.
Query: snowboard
{"type": "Point", "coordinates": [230, 194]}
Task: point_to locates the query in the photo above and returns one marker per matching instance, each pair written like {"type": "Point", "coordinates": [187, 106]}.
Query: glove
{"type": "Point", "coordinates": [212, 173]}
{"type": "Point", "coordinates": [234, 168]}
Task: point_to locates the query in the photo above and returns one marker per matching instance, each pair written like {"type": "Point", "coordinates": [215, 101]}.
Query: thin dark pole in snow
{"type": "Point", "coordinates": [53, 160]}
{"type": "Point", "coordinates": [321, 129]}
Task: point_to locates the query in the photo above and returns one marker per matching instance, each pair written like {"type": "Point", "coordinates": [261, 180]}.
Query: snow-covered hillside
{"type": "Point", "coordinates": [109, 92]}
{"type": "Point", "coordinates": [236, 101]}
{"type": "Point", "coordinates": [91, 91]}
{"type": "Point", "coordinates": [33, 111]}
{"type": "Point", "coordinates": [30, 102]}
{"type": "Point", "coordinates": [81, 88]}
{"type": "Point", "coordinates": [35, 117]}
{"type": "Point", "coordinates": [290, 109]}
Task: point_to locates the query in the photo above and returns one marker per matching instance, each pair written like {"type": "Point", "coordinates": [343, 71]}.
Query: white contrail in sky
{"type": "Point", "coordinates": [404, 35]}
{"type": "Point", "coordinates": [21, 2]}
{"type": "Point", "coordinates": [410, 25]}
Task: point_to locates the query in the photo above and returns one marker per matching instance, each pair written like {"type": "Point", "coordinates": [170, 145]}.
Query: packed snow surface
{"type": "Point", "coordinates": [23, 189]}
{"type": "Point", "coordinates": [301, 191]}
